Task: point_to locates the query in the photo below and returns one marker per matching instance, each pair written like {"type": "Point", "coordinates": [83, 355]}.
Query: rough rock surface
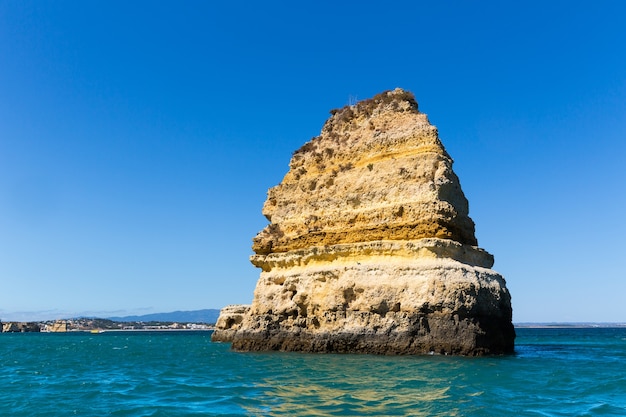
{"type": "Point", "coordinates": [370, 247]}
{"type": "Point", "coordinates": [229, 322]}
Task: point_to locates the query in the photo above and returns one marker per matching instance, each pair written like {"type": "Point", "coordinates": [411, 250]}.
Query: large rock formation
{"type": "Point", "coordinates": [370, 247]}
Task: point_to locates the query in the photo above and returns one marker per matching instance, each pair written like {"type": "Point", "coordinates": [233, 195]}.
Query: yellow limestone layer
{"type": "Point", "coordinates": [376, 252]}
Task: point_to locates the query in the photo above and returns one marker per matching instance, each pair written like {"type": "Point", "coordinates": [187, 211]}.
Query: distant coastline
{"type": "Point", "coordinates": [96, 325]}
{"type": "Point", "coordinates": [174, 321]}
{"type": "Point", "coordinates": [567, 325]}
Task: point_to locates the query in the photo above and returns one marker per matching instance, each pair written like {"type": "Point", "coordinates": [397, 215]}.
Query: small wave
{"type": "Point", "coordinates": [607, 410]}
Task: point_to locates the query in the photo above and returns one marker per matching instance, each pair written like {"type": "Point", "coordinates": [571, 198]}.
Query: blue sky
{"type": "Point", "coordinates": [138, 140]}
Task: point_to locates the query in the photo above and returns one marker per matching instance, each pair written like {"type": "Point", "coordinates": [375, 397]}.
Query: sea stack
{"type": "Point", "coordinates": [370, 247]}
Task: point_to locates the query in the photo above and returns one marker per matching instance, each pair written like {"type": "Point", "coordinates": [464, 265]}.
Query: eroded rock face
{"type": "Point", "coordinates": [370, 247]}
{"type": "Point", "coordinates": [229, 322]}
{"type": "Point", "coordinates": [377, 172]}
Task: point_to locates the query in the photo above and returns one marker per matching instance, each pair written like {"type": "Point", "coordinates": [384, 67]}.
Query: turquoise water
{"type": "Point", "coordinates": [555, 372]}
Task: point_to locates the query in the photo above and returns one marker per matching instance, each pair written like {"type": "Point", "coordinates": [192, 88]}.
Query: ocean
{"type": "Point", "coordinates": [554, 372]}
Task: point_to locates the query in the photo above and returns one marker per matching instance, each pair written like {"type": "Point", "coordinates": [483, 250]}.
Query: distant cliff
{"type": "Point", "coordinates": [370, 247]}
{"type": "Point", "coordinates": [19, 327]}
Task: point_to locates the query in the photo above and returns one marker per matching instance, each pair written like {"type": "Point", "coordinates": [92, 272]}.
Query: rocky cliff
{"type": "Point", "coordinates": [229, 322]}
{"type": "Point", "coordinates": [370, 247]}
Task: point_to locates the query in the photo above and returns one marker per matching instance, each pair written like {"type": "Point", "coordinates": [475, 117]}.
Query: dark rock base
{"type": "Point", "coordinates": [447, 336]}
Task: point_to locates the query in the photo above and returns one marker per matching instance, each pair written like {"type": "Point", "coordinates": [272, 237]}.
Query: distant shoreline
{"type": "Point", "coordinates": [569, 325]}
{"type": "Point", "coordinates": [141, 330]}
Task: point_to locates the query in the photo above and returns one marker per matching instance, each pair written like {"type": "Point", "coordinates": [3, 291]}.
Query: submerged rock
{"type": "Point", "coordinates": [370, 247]}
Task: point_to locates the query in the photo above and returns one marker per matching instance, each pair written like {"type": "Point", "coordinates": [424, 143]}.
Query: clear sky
{"type": "Point", "coordinates": [138, 140]}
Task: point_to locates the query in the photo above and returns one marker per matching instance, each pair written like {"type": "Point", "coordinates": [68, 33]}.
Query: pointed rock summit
{"type": "Point", "coordinates": [370, 247]}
